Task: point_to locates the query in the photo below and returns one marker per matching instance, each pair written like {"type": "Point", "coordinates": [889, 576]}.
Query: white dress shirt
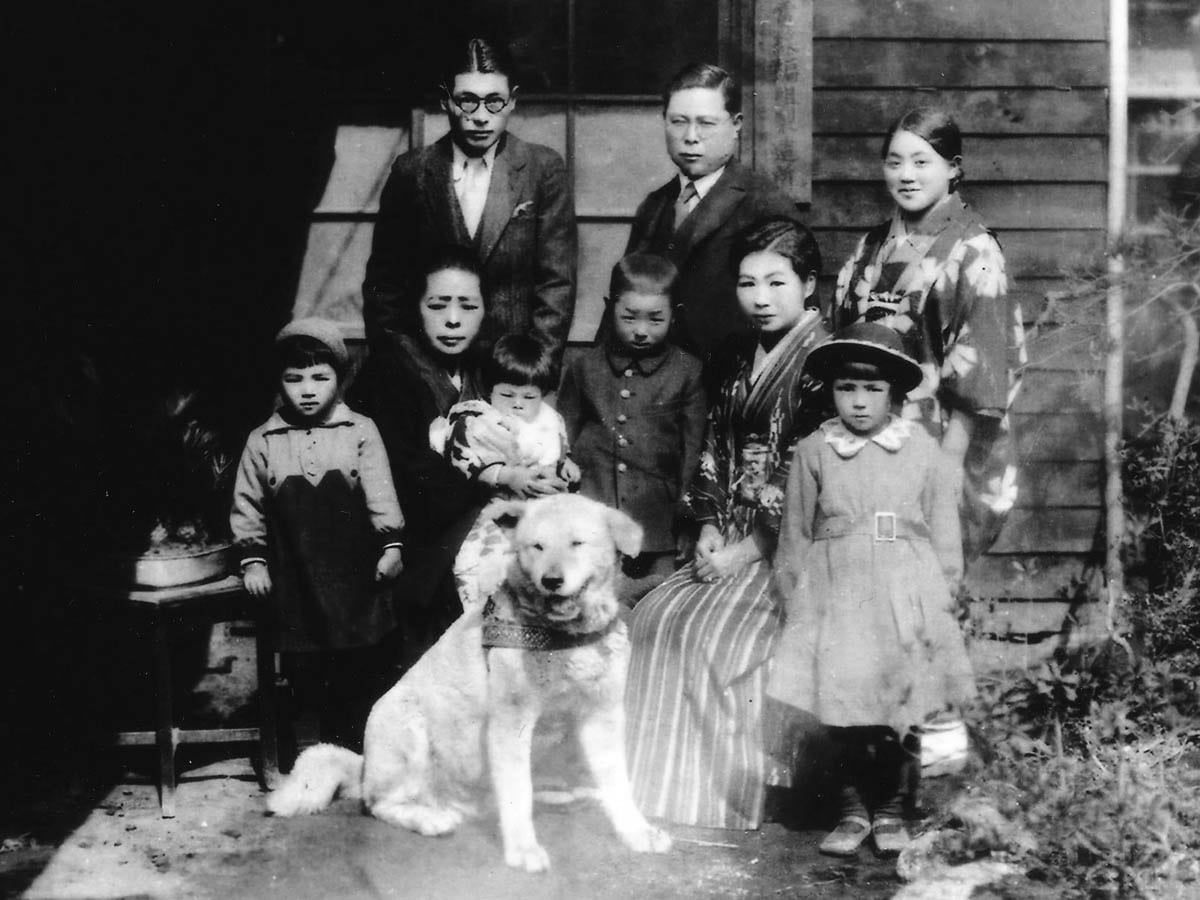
{"type": "Point", "coordinates": [472, 176]}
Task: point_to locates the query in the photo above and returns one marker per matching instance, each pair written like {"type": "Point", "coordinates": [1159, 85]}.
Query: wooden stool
{"type": "Point", "coordinates": [221, 601]}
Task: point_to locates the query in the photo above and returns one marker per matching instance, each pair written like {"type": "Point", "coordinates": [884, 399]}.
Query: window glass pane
{"type": "Point", "coordinates": [1164, 45]}
{"type": "Point", "coordinates": [332, 274]}
{"type": "Point", "coordinates": [1164, 112]}
{"type": "Point", "coordinates": [363, 159]}
{"type": "Point", "coordinates": [1164, 155]}
{"type": "Point", "coordinates": [536, 32]}
{"type": "Point", "coordinates": [621, 46]}
{"type": "Point", "coordinates": [620, 157]}
{"type": "Point", "coordinates": [634, 47]}
{"type": "Point", "coordinates": [601, 245]}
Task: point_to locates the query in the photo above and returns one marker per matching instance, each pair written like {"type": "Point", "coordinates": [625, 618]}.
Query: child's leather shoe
{"type": "Point", "coordinates": [847, 837]}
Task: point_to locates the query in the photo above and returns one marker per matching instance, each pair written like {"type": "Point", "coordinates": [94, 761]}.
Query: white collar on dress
{"type": "Point", "coordinates": [846, 443]}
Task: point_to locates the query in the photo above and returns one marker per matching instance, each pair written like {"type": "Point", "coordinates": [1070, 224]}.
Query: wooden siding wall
{"type": "Point", "coordinates": [1026, 81]}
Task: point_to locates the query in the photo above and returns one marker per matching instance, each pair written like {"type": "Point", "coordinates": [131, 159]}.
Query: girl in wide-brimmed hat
{"type": "Point", "coordinates": [868, 560]}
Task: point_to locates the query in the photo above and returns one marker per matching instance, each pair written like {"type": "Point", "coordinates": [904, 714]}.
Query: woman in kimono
{"type": "Point", "coordinates": [935, 274]}
{"type": "Point", "coordinates": [702, 639]}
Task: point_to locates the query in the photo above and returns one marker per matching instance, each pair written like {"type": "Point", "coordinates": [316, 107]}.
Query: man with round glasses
{"type": "Point", "coordinates": [485, 188]}
{"type": "Point", "coordinates": [694, 217]}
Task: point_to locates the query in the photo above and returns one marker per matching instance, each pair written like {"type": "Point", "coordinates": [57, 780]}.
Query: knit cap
{"type": "Point", "coordinates": [323, 330]}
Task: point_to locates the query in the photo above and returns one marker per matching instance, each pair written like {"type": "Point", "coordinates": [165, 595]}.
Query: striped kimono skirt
{"type": "Point", "coordinates": [695, 695]}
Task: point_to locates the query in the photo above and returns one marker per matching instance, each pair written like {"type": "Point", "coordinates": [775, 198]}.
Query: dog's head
{"type": "Point", "coordinates": [566, 559]}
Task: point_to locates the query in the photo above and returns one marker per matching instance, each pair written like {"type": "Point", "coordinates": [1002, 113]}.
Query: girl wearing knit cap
{"type": "Point", "coordinates": [317, 522]}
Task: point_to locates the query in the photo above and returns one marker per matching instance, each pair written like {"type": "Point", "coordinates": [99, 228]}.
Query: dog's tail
{"type": "Point", "coordinates": [321, 773]}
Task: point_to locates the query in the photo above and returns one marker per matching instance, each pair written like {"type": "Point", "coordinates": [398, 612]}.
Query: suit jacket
{"type": "Point", "coordinates": [526, 241]}
{"type": "Point", "coordinates": [701, 249]}
{"type": "Point", "coordinates": [635, 427]}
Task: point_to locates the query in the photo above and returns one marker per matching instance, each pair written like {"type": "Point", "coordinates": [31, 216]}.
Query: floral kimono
{"type": "Point", "coordinates": [943, 288]}
{"type": "Point", "coordinates": [700, 650]}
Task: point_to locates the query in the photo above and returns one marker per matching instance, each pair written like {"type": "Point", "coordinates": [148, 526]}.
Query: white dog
{"type": "Point", "coordinates": [427, 739]}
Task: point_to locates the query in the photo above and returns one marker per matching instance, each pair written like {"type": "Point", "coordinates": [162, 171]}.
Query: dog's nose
{"type": "Point", "coordinates": [552, 582]}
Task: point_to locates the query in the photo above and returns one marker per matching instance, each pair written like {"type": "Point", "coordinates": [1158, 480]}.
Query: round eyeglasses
{"type": "Point", "coordinates": [493, 103]}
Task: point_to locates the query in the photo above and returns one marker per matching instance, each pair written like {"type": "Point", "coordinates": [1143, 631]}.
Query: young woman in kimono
{"type": "Point", "coordinates": [702, 639]}
{"type": "Point", "coordinates": [935, 274]}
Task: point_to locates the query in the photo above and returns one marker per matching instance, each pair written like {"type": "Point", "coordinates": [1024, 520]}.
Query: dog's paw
{"type": "Point", "coordinates": [647, 839]}
{"type": "Point", "coordinates": [431, 821]}
{"type": "Point", "coordinates": [531, 857]}
{"type": "Point", "coordinates": [436, 822]}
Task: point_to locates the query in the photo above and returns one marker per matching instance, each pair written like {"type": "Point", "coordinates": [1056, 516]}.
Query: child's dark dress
{"type": "Point", "coordinates": [317, 504]}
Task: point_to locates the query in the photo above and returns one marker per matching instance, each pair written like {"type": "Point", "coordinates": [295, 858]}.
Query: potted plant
{"type": "Point", "coordinates": [186, 479]}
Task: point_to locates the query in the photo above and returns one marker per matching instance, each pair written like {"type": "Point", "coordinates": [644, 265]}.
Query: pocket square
{"type": "Point", "coordinates": [522, 210]}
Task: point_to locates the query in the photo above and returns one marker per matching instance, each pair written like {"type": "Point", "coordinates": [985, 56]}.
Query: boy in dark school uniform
{"type": "Point", "coordinates": [635, 413]}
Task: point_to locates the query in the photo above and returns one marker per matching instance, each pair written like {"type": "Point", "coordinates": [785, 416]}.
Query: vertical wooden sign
{"type": "Point", "coordinates": [768, 43]}
{"type": "Point", "coordinates": [783, 71]}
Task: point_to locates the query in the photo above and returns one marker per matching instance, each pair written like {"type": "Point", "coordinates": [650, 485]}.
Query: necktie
{"type": "Point", "coordinates": [474, 193]}
{"type": "Point", "coordinates": [688, 198]}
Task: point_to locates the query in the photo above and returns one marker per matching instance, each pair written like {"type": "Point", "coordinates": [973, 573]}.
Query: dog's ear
{"type": "Point", "coordinates": [626, 533]}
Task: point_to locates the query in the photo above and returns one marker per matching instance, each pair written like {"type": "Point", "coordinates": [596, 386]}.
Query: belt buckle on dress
{"type": "Point", "coordinates": [885, 526]}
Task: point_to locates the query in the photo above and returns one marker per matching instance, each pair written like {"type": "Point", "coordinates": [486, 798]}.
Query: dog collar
{"type": "Point", "coordinates": [524, 632]}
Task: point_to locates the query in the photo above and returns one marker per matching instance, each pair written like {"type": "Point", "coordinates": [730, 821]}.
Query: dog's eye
{"type": "Point", "coordinates": [538, 547]}
{"type": "Point", "coordinates": [576, 543]}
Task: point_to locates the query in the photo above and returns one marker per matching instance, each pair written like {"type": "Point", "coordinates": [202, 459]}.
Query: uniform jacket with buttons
{"type": "Point", "coordinates": [702, 246]}
{"type": "Point", "coordinates": [635, 427]}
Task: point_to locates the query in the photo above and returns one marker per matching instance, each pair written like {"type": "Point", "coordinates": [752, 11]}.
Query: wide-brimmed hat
{"type": "Point", "coordinates": [871, 343]}
{"type": "Point", "coordinates": [323, 330]}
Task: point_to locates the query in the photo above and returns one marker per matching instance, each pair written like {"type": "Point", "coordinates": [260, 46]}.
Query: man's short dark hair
{"type": "Point", "coordinates": [478, 54]}
{"type": "Point", "coordinates": [706, 75]}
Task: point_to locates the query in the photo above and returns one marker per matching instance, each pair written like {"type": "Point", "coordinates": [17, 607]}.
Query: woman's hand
{"type": "Point", "coordinates": [710, 539]}
{"type": "Point", "coordinates": [545, 482]}
{"type": "Point", "coordinates": [517, 478]}
{"type": "Point", "coordinates": [710, 543]}
{"type": "Point", "coordinates": [257, 580]}
{"type": "Point", "coordinates": [390, 564]}
{"type": "Point", "coordinates": [715, 564]}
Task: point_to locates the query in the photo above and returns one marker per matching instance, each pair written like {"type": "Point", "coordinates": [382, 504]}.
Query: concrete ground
{"type": "Point", "coordinates": [110, 842]}
{"type": "Point", "coordinates": [78, 824]}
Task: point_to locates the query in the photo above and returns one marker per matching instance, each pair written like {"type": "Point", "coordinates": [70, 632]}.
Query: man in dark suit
{"type": "Point", "coordinates": [481, 187]}
{"type": "Point", "coordinates": [693, 218]}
